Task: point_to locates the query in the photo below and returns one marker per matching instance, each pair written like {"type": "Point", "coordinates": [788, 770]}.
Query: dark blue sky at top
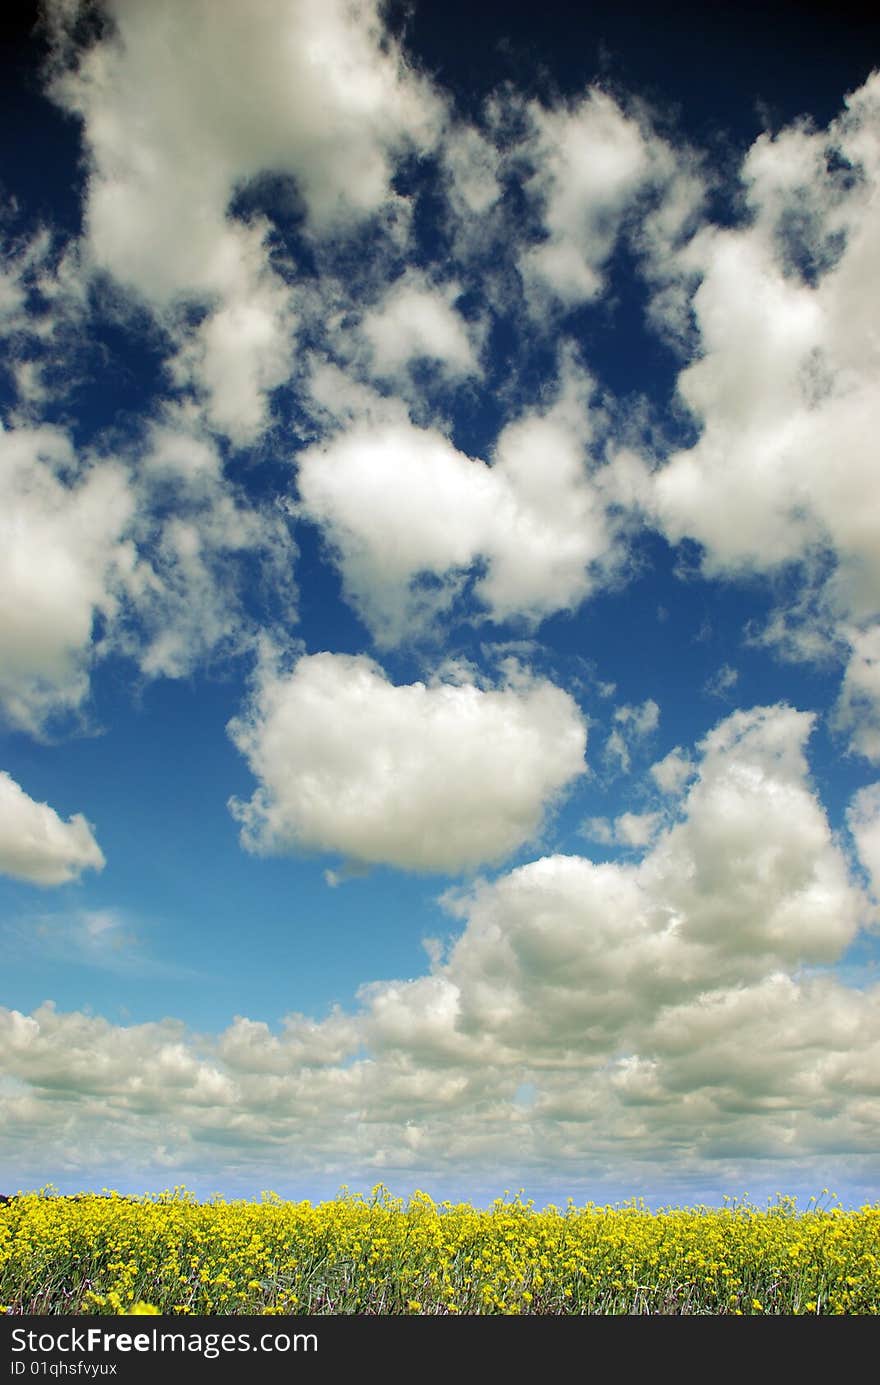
{"type": "Point", "coordinates": [719, 69]}
{"type": "Point", "coordinates": [714, 75]}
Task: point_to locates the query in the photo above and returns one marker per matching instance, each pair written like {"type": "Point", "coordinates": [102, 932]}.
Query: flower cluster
{"type": "Point", "coordinates": [109, 1254]}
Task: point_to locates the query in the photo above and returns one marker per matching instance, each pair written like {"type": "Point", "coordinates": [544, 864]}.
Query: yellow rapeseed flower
{"type": "Point", "coordinates": [169, 1253]}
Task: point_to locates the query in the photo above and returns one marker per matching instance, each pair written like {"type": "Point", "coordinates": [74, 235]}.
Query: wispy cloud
{"type": "Point", "coordinates": [105, 939]}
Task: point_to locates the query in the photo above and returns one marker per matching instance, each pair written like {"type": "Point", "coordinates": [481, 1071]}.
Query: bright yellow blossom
{"type": "Point", "coordinates": [171, 1254]}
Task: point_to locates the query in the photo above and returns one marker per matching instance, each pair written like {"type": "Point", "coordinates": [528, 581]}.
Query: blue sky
{"type": "Point", "coordinates": [440, 599]}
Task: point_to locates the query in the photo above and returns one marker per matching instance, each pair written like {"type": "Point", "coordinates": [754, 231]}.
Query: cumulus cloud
{"type": "Point", "coordinates": [37, 845]}
{"type": "Point", "coordinates": [418, 321]}
{"type": "Point", "coordinates": [657, 1010]}
{"type": "Point", "coordinates": [672, 772]}
{"type": "Point", "coordinates": [320, 95]}
{"type": "Point", "coordinates": [64, 561]}
{"type": "Point", "coordinates": [590, 162]}
{"type": "Point", "coordinates": [437, 777]}
{"type": "Point", "coordinates": [566, 959]}
{"type": "Point", "coordinates": [396, 502]}
{"type": "Point", "coordinates": [784, 380]}
{"type": "Point", "coordinates": [598, 830]}
{"type": "Point", "coordinates": [752, 807]}
{"type": "Point", "coordinates": [636, 829]}
{"type": "Point", "coordinates": [627, 830]}
{"type": "Point", "coordinates": [400, 503]}
{"type": "Point", "coordinates": [320, 92]}
{"type": "Point", "coordinates": [749, 880]}
{"type": "Point", "coordinates": [241, 351]}
{"type": "Point", "coordinates": [94, 559]}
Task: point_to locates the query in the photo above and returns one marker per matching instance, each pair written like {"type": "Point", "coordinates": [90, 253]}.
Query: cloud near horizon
{"type": "Point", "coordinates": [679, 1002]}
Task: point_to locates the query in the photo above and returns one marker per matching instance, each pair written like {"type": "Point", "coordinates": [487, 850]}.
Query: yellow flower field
{"type": "Point", "coordinates": [108, 1254]}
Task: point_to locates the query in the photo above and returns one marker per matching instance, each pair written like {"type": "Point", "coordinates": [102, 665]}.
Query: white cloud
{"type": "Point", "coordinates": [398, 502]}
{"type": "Point", "coordinates": [337, 400]}
{"type": "Point", "coordinates": [634, 723]}
{"type": "Point", "coordinates": [722, 682]}
{"type": "Point", "coordinates": [784, 386]}
{"type": "Point", "coordinates": [637, 829]}
{"type": "Point", "coordinates": [598, 830]}
{"type": "Point", "coordinates": [863, 818]}
{"type": "Point", "coordinates": [12, 297]}
{"type": "Point", "coordinates": [774, 1069]}
{"type": "Point", "coordinates": [591, 160]}
{"type": "Point", "coordinates": [657, 1012]}
{"type": "Point", "coordinates": [768, 1059]}
{"type": "Point", "coordinates": [567, 956]}
{"type": "Point", "coordinates": [672, 772]}
{"type": "Point", "coordinates": [37, 845]}
{"type": "Point", "coordinates": [640, 719]}
{"type": "Point", "coordinates": [662, 238]}
{"type": "Point", "coordinates": [438, 777]}
{"type": "Point", "coordinates": [416, 320]}
{"type": "Point", "coordinates": [553, 542]}
{"type": "Point", "coordinates": [472, 163]}
{"type": "Point", "coordinates": [249, 1047]}
{"type": "Point", "coordinates": [313, 91]}
{"type": "Point", "coordinates": [563, 952]}
{"type": "Point", "coordinates": [241, 351]}
{"type": "Point", "coordinates": [318, 92]}
{"type": "Point", "coordinates": [627, 830]}
{"type": "Point", "coordinates": [93, 560]}
{"type": "Point", "coordinates": [24, 262]}
{"type": "Point", "coordinates": [754, 867]}
{"type": "Point", "coordinates": [64, 559]}
{"type": "Point", "coordinates": [858, 706]}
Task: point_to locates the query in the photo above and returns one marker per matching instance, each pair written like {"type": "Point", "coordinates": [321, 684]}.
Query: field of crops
{"type": "Point", "coordinates": [109, 1254]}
